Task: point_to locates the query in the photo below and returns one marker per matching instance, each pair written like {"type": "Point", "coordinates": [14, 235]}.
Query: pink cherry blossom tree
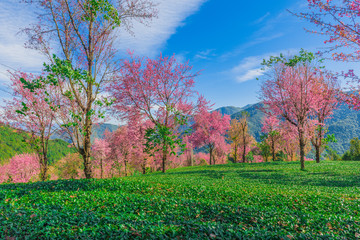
{"type": "Point", "coordinates": [330, 93]}
{"type": "Point", "coordinates": [136, 131]}
{"type": "Point", "coordinates": [210, 129]}
{"type": "Point", "coordinates": [23, 168]}
{"type": "Point", "coordinates": [29, 110]}
{"type": "Point", "coordinates": [160, 90]}
{"type": "Point", "coordinates": [338, 22]}
{"type": "Point", "coordinates": [271, 127]}
{"type": "Point", "coordinates": [101, 151]}
{"type": "Point", "coordinates": [292, 92]}
{"type": "Point", "coordinates": [289, 140]}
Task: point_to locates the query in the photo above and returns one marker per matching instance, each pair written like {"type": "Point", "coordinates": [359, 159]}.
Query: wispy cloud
{"type": "Point", "coordinates": [250, 68]}
{"type": "Point", "coordinates": [148, 40]}
{"type": "Point", "coordinates": [205, 55]}
{"type": "Point", "coordinates": [268, 31]}
{"type": "Point", "coordinates": [261, 19]}
{"type": "Point", "coordinates": [256, 41]}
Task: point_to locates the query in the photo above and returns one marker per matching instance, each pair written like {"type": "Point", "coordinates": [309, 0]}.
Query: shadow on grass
{"type": "Point", "coordinates": [324, 179]}
{"type": "Point", "coordinates": [234, 171]}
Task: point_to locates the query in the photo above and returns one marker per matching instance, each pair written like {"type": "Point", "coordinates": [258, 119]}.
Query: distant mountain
{"type": "Point", "coordinates": [98, 131]}
{"type": "Point", "coordinates": [345, 124]}
{"type": "Point", "coordinates": [228, 110]}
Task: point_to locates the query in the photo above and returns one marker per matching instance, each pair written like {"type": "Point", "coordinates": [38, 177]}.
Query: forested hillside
{"type": "Point", "coordinates": [13, 142]}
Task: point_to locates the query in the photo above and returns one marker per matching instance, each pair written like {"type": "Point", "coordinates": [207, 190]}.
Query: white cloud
{"type": "Point", "coordinates": [205, 55]}
{"type": "Point", "coordinates": [250, 75]}
{"type": "Point", "coordinates": [148, 40]}
{"type": "Point", "coordinates": [13, 54]}
{"type": "Point", "coordinates": [250, 68]}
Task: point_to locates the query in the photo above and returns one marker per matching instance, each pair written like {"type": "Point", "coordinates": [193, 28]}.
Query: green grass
{"type": "Point", "coordinates": [235, 201]}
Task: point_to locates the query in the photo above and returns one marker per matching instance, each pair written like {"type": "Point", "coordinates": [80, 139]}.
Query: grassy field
{"type": "Point", "coordinates": [234, 201]}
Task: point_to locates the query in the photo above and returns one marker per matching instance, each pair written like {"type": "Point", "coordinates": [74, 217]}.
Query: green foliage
{"type": "Point", "coordinates": [332, 155]}
{"type": "Point", "coordinates": [281, 156]}
{"type": "Point", "coordinates": [250, 157]}
{"type": "Point", "coordinates": [13, 142]}
{"type": "Point", "coordinates": [353, 154]}
{"type": "Point", "coordinates": [58, 149]}
{"type": "Point", "coordinates": [63, 69]}
{"type": "Point", "coordinates": [264, 147]}
{"type": "Point", "coordinates": [163, 137]}
{"type": "Point", "coordinates": [69, 167]}
{"type": "Point", "coordinates": [235, 201]}
{"type": "Point", "coordinates": [303, 57]}
{"type": "Point", "coordinates": [103, 7]}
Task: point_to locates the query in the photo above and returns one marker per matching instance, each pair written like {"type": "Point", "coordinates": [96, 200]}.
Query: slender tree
{"type": "Point", "coordinates": [84, 33]}
{"type": "Point", "coordinates": [327, 104]}
{"type": "Point", "coordinates": [235, 138]}
{"type": "Point", "coordinates": [245, 138]}
{"type": "Point", "coordinates": [271, 127]}
{"type": "Point", "coordinates": [29, 110]}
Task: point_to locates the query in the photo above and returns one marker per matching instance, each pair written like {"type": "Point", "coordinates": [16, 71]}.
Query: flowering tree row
{"type": "Point", "coordinates": [302, 94]}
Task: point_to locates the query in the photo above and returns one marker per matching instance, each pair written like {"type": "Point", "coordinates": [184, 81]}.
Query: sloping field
{"type": "Point", "coordinates": [235, 201]}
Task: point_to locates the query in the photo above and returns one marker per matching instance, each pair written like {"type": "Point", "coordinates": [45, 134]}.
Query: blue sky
{"type": "Point", "coordinates": [226, 40]}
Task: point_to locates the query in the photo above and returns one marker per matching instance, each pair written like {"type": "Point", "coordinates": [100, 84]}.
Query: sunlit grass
{"type": "Point", "coordinates": [234, 201]}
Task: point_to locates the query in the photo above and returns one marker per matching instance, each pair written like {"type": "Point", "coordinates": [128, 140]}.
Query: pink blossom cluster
{"type": "Point", "coordinates": [20, 169]}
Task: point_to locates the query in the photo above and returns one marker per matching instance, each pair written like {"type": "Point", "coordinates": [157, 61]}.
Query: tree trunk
{"type": "Point", "coordinates": [317, 153]}
{"type": "Point", "coordinates": [244, 154]}
{"type": "Point", "coordinates": [144, 168]}
{"type": "Point", "coordinates": [273, 150]}
{"type": "Point", "coordinates": [191, 156]}
{"type": "Point", "coordinates": [302, 150]}
{"type": "Point", "coordinates": [125, 168]}
{"type": "Point", "coordinates": [87, 149]}
{"type": "Point", "coordinates": [235, 153]}
{"type": "Point", "coordinates": [43, 167]}
{"type": "Point", "coordinates": [164, 156]}
{"type": "Point", "coordinates": [211, 154]}
{"type": "Point", "coordinates": [101, 168]}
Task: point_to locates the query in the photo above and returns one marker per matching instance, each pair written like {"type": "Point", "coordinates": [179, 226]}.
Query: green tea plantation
{"type": "Point", "coordinates": [233, 201]}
